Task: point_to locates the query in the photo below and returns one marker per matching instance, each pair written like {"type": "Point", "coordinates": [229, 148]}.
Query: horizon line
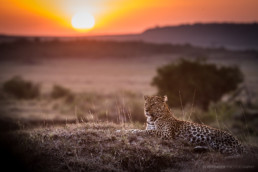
{"type": "Point", "coordinates": [127, 34]}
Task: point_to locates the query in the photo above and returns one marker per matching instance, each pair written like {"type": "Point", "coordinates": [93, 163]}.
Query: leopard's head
{"type": "Point", "coordinates": [154, 106]}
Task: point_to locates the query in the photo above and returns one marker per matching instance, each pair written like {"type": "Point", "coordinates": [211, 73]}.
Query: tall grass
{"type": "Point", "coordinates": [121, 107]}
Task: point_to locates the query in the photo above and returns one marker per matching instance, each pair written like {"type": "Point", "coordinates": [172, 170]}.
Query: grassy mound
{"type": "Point", "coordinates": [99, 147]}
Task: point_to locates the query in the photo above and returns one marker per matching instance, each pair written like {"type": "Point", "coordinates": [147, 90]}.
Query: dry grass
{"type": "Point", "coordinates": [98, 147]}
{"type": "Point", "coordinates": [83, 107]}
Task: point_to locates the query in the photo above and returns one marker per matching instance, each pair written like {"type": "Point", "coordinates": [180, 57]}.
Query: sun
{"type": "Point", "coordinates": [83, 21]}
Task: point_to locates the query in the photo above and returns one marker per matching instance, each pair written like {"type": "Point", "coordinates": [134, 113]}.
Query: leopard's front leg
{"type": "Point", "coordinates": [158, 133]}
{"type": "Point", "coordinates": [150, 124]}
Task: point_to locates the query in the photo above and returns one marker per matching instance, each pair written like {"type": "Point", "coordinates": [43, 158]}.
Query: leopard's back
{"type": "Point", "coordinates": [202, 135]}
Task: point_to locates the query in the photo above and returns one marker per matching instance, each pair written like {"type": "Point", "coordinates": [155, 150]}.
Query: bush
{"type": "Point", "coordinates": [21, 88]}
{"type": "Point", "coordinates": [195, 82]}
{"type": "Point", "coordinates": [59, 91]}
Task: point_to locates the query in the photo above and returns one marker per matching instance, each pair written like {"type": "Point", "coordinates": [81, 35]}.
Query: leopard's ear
{"type": "Point", "coordinates": [145, 97]}
{"type": "Point", "coordinates": [165, 98]}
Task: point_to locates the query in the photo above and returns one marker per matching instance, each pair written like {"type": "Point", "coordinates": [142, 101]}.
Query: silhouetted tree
{"type": "Point", "coordinates": [195, 82]}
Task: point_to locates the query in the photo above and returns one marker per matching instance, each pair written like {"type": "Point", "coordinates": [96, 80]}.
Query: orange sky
{"type": "Point", "coordinates": [53, 17]}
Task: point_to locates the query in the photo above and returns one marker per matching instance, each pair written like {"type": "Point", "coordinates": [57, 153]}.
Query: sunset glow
{"type": "Point", "coordinates": [83, 21]}
{"type": "Point", "coordinates": [53, 17]}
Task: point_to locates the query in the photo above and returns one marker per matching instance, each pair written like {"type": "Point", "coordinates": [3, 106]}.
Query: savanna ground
{"type": "Point", "coordinates": [98, 147]}
{"type": "Point", "coordinates": [76, 131]}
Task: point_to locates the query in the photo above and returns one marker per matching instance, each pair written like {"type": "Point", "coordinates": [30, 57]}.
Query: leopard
{"type": "Point", "coordinates": [163, 123]}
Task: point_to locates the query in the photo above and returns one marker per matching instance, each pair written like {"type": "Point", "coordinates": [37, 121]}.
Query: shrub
{"type": "Point", "coordinates": [59, 91]}
{"type": "Point", "coordinates": [195, 81]}
{"type": "Point", "coordinates": [21, 89]}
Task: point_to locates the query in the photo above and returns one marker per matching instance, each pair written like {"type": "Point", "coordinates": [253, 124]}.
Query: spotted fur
{"type": "Point", "coordinates": [161, 122]}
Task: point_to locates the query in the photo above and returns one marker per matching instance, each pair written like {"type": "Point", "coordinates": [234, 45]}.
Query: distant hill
{"type": "Point", "coordinates": [228, 35]}
{"type": "Point", "coordinates": [244, 36]}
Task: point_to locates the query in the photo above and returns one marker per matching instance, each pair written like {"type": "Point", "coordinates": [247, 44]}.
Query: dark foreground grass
{"type": "Point", "coordinates": [98, 147]}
